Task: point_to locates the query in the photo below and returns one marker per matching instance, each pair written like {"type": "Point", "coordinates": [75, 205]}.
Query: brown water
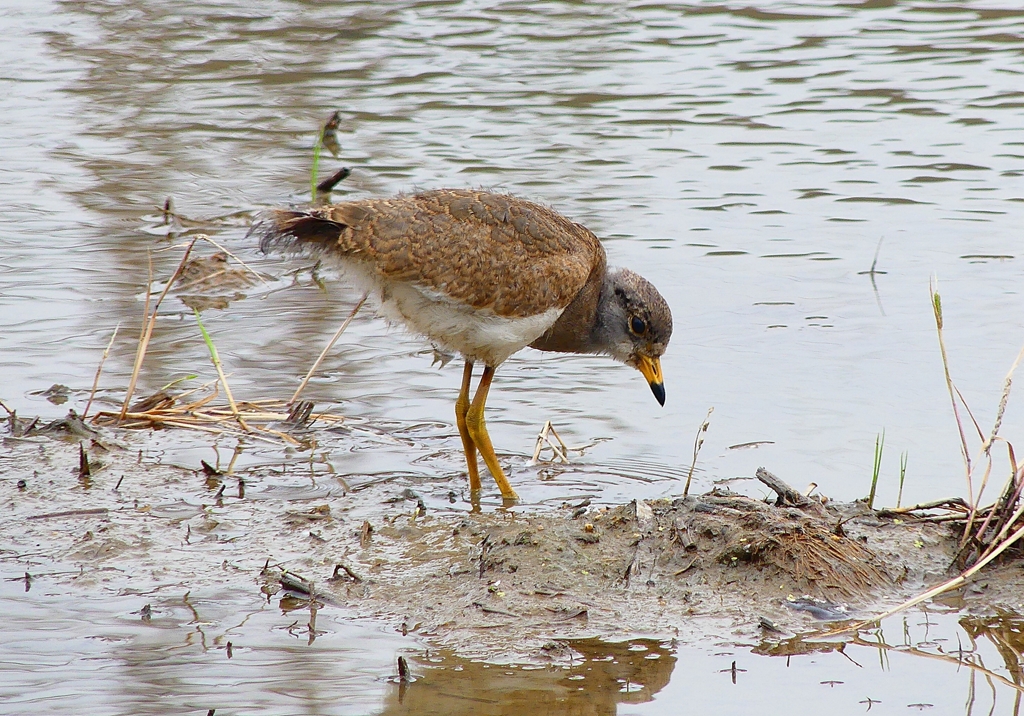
{"type": "Point", "coordinates": [748, 159]}
{"type": "Point", "coordinates": [108, 654]}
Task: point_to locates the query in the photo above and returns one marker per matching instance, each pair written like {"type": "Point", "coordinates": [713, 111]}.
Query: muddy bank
{"type": "Point", "coordinates": [497, 583]}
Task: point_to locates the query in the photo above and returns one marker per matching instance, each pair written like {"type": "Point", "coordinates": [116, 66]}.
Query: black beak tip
{"type": "Point", "coordinates": [659, 392]}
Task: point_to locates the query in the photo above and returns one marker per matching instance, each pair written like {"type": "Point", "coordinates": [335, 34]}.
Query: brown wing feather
{"type": "Point", "coordinates": [486, 250]}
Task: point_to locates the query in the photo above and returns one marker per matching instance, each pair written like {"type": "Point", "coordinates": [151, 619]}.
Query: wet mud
{"type": "Point", "coordinates": [497, 583]}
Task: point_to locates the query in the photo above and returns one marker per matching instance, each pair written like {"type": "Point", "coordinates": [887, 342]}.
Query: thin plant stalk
{"type": "Point", "coordinates": [99, 370]}
{"type": "Point", "coordinates": [323, 353]}
{"type": "Point", "coordinates": [986, 445]}
{"type": "Point", "coordinates": [964, 451]}
{"type": "Point", "coordinates": [150, 322]}
{"type": "Point", "coordinates": [903, 475]}
{"type": "Point", "coordinates": [986, 452]}
{"type": "Point", "coordinates": [315, 170]}
{"type": "Point", "coordinates": [698, 442]}
{"type": "Point", "coordinates": [1007, 384]}
{"type": "Point", "coordinates": [220, 370]}
{"type": "Point", "coordinates": [879, 447]}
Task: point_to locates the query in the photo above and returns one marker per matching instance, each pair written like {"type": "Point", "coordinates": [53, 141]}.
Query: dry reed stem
{"type": "Point", "coordinates": [698, 442]}
{"type": "Point", "coordinates": [150, 322]}
{"type": "Point", "coordinates": [216, 419]}
{"type": "Point", "coordinates": [1007, 384]}
{"type": "Point", "coordinates": [139, 351]}
{"type": "Point", "coordinates": [99, 370]}
{"type": "Point", "coordinates": [544, 439]}
{"type": "Point", "coordinates": [204, 386]}
{"type": "Point", "coordinates": [964, 450]}
{"type": "Point", "coordinates": [986, 452]}
{"type": "Point", "coordinates": [323, 353]}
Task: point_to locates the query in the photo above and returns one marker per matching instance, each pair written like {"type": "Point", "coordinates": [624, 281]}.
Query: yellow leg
{"type": "Point", "coordinates": [478, 433]}
{"type": "Point", "coordinates": [461, 408]}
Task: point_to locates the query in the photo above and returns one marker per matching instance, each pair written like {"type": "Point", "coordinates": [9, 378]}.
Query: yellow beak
{"type": "Point", "coordinates": [651, 369]}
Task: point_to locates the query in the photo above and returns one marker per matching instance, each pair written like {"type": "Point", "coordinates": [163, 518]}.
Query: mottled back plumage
{"type": "Point", "coordinates": [489, 251]}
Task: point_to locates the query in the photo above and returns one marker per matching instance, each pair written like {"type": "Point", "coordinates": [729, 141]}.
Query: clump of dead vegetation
{"type": "Point", "coordinates": [200, 283]}
{"type": "Point", "coordinates": [797, 537]}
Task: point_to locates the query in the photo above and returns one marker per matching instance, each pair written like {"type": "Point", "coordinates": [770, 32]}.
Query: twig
{"type": "Point", "coordinates": [941, 657]}
{"type": "Point", "coordinates": [323, 353]}
{"type": "Point", "coordinates": [99, 370]}
{"type": "Point", "coordinates": [698, 442]}
{"type": "Point", "coordinates": [70, 513]}
{"type": "Point", "coordinates": [787, 494]}
{"type": "Point", "coordinates": [328, 184]}
{"type": "Point", "coordinates": [544, 439]}
{"type": "Point", "coordinates": [150, 322]}
{"type": "Point", "coordinates": [948, 503]}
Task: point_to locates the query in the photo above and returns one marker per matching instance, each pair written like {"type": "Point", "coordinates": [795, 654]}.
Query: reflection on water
{"type": "Point", "coordinates": [174, 650]}
{"type": "Point", "coordinates": [592, 678]}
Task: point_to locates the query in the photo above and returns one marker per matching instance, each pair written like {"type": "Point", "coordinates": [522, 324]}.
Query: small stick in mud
{"type": "Point", "coordinates": [403, 669]}
{"type": "Point", "coordinates": [559, 452]}
{"type": "Point", "coordinates": [296, 583]}
{"type": "Point", "coordinates": [84, 470]}
{"type": "Point", "coordinates": [949, 503]}
{"type": "Point", "coordinates": [70, 513]}
{"type": "Point", "coordinates": [365, 534]}
{"type": "Point", "coordinates": [733, 671]}
{"type": "Point", "coordinates": [341, 567]}
{"type": "Point", "coordinates": [787, 494]}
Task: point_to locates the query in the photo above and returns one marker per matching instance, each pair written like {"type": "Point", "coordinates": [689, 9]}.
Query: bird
{"type": "Point", "coordinates": [483, 275]}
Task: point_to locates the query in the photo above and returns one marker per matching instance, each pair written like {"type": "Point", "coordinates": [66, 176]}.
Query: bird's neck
{"type": "Point", "coordinates": [577, 330]}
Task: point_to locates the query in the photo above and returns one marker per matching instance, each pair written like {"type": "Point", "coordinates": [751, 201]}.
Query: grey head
{"type": "Point", "coordinates": [633, 325]}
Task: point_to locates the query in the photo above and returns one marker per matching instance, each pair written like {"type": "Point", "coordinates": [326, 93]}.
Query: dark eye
{"type": "Point", "coordinates": [637, 326]}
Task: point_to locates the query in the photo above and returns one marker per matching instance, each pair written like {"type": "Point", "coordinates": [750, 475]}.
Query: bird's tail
{"type": "Point", "coordinates": [293, 230]}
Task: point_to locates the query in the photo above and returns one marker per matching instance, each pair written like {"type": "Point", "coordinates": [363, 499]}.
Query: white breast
{"type": "Point", "coordinates": [478, 335]}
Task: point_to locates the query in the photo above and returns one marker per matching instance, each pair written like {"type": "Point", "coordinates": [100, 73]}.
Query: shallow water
{"type": "Point", "coordinates": [163, 651]}
{"type": "Point", "coordinates": [750, 160]}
